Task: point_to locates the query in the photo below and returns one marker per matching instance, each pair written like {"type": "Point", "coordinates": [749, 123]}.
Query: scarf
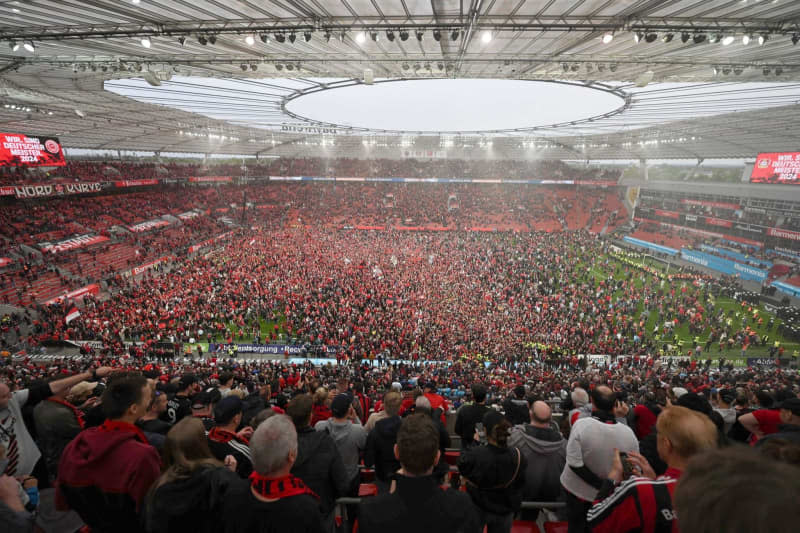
{"type": "Point", "coordinates": [220, 435]}
{"type": "Point", "coordinates": [118, 425]}
{"type": "Point", "coordinates": [278, 488]}
{"type": "Point", "coordinates": [603, 416]}
{"type": "Point", "coordinates": [77, 412]}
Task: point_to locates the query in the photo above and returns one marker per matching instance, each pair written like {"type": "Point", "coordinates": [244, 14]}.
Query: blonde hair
{"type": "Point", "coordinates": [239, 393]}
{"type": "Point", "coordinates": [320, 396]}
{"type": "Point", "coordinates": [392, 402]}
{"type": "Point", "coordinates": [688, 431]}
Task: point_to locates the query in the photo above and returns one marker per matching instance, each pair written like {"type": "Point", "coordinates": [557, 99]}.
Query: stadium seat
{"type": "Point", "coordinates": [556, 527]}
{"type": "Point", "coordinates": [451, 456]}
{"type": "Point", "coordinates": [524, 526]}
{"type": "Point", "coordinates": [367, 489]}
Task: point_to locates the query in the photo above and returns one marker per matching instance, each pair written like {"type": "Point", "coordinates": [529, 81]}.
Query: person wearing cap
{"type": "Point", "coordinates": [789, 428]}
{"type": "Point", "coordinates": [223, 438]}
{"type": "Point", "coordinates": [203, 405]}
{"type": "Point", "coordinates": [348, 434]}
{"type": "Point", "coordinates": [494, 475]}
{"type": "Point", "coordinates": [416, 502]}
{"type": "Point", "coordinates": [180, 405]}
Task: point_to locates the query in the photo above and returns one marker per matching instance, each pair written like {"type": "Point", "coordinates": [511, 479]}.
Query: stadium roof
{"type": "Point", "coordinates": [78, 46]}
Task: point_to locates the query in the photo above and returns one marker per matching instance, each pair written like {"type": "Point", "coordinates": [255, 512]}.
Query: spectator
{"type": "Point", "coordinates": [703, 498]}
{"type": "Point", "coordinates": [581, 406]}
{"type": "Point", "coordinates": [275, 501]}
{"type": "Point", "coordinates": [203, 406]}
{"type": "Point", "coordinates": [439, 405]}
{"type": "Point", "coordinates": [106, 471]}
{"type": "Point", "coordinates": [362, 400]}
{"type": "Point", "coordinates": [189, 494]}
{"type": "Point", "coordinates": [381, 441]}
{"type": "Point", "coordinates": [21, 451]}
{"type": "Point", "coordinates": [545, 451]}
{"type": "Point", "coordinates": [469, 415]}
{"type": "Point", "coordinates": [789, 429]}
{"type": "Point", "coordinates": [645, 415]}
{"type": "Point", "coordinates": [14, 514]}
{"type": "Point", "coordinates": [723, 404]}
{"type": "Point", "coordinates": [225, 440]}
{"type": "Point", "coordinates": [763, 422]}
{"type": "Point", "coordinates": [516, 407]}
{"type": "Point", "coordinates": [180, 405]}
{"type": "Point", "coordinates": [495, 475]}
{"type": "Point", "coordinates": [151, 422]}
{"type": "Point", "coordinates": [423, 406]}
{"type": "Point", "coordinates": [589, 454]}
{"type": "Point", "coordinates": [644, 502]}
{"type": "Point", "coordinates": [350, 438]}
{"type": "Point", "coordinates": [320, 409]}
{"type": "Point", "coordinates": [416, 502]}
{"type": "Point", "coordinates": [380, 415]}
{"type": "Point", "coordinates": [225, 383]}
{"type": "Point", "coordinates": [318, 462]}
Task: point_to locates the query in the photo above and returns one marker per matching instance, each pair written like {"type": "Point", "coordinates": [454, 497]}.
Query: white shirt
{"type": "Point", "coordinates": [21, 451]}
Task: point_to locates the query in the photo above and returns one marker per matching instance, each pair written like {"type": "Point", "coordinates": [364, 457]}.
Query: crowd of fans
{"type": "Point", "coordinates": [224, 445]}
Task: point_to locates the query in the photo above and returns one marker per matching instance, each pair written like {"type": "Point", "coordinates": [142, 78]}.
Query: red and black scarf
{"type": "Point", "coordinates": [278, 488]}
{"type": "Point", "coordinates": [77, 412]}
{"type": "Point", "coordinates": [220, 435]}
{"type": "Point", "coordinates": [118, 425]}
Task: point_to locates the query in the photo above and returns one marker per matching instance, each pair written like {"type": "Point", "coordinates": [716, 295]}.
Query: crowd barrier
{"type": "Point", "coordinates": [726, 266]}
{"type": "Point", "coordinates": [651, 246]}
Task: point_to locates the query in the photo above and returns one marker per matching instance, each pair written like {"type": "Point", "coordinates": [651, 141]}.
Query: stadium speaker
{"type": "Point", "coordinates": [369, 76]}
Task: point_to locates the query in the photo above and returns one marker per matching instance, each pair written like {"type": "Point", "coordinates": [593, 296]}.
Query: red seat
{"type": "Point", "coordinates": [452, 457]}
{"type": "Point", "coordinates": [556, 527]}
{"type": "Point", "coordinates": [524, 526]}
{"type": "Point", "coordinates": [367, 489]}
{"type": "Point", "coordinates": [367, 475]}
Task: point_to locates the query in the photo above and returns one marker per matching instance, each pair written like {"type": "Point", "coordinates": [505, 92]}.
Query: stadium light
{"type": "Point", "coordinates": [182, 40]}
{"type": "Point", "coordinates": [699, 38]}
{"type": "Point", "coordinates": [778, 71]}
{"type": "Point", "coordinates": [738, 70]}
{"type": "Point", "coordinates": [202, 40]}
{"type": "Point", "coordinates": [667, 38]}
{"type": "Point", "coordinates": [437, 35]}
{"type": "Point", "coordinates": [264, 38]}
{"type": "Point", "coordinates": [651, 37]}
{"type": "Point", "coordinates": [280, 37]}
{"type": "Point", "coordinates": [608, 37]}
{"type": "Point", "coordinates": [685, 36]}
{"type": "Point", "coordinates": [361, 37]}
{"type": "Point", "coordinates": [762, 39]}
{"type": "Point", "coordinates": [292, 37]}
{"type": "Point", "coordinates": [766, 71]}
{"type": "Point", "coordinates": [795, 38]}
{"type": "Point", "coordinates": [637, 36]}
{"type": "Point", "coordinates": [374, 36]}
{"type": "Point", "coordinates": [307, 36]}
{"type": "Point", "coordinates": [714, 37]}
{"type": "Point", "coordinates": [390, 35]}
{"type": "Point", "coordinates": [250, 40]}
{"type": "Point", "coordinates": [327, 36]}
{"type": "Point", "coordinates": [486, 37]}
{"type": "Point", "coordinates": [145, 42]}
{"type": "Point", "coordinates": [745, 39]}
{"type": "Point", "coordinates": [212, 39]}
{"type": "Point", "coordinates": [14, 46]}
{"type": "Point", "coordinates": [420, 33]}
{"type": "Point", "coordinates": [455, 35]}
{"type": "Point", "coordinates": [728, 39]}
{"type": "Point", "coordinates": [28, 45]}
{"type": "Point", "coordinates": [403, 35]}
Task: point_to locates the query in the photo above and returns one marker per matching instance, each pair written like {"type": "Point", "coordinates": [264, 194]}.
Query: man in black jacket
{"type": "Point", "coordinates": [516, 407]}
{"type": "Point", "coordinates": [380, 444]}
{"type": "Point", "coordinates": [318, 462]}
{"type": "Point", "coordinates": [417, 503]}
{"type": "Point", "coordinates": [469, 415]}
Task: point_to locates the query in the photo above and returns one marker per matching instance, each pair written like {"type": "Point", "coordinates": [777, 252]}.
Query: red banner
{"type": "Point", "coordinates": [22, 150]}
{"type": "Point", "coordinates": [135, 183]}
{"type": "Point", "coordinates": [742, 240]}
{"type": "Point", "coordinates": [5, 261]}
{"type": "Point", "coordinates": [150, 224]}
{"type": "Point", "coordinates": [719, 222]}
{"type": "Point", "coordinates": [135, 271]}
{"type": "Point", "coordinates": [723, 205]}
{"type": "Point", "coordinates": [784, 234]}
{"type": "Point", "coordinates": [777, 167]}
{"type": "Point", "coordinates": [73, 243]}
{"type": "Point", "coordinates": [667, 214]}
{"type": "Point", "coordinates": [7, 191]}
{"type": "Point", "coordinates": [208, 242]}
{"type": "Point", "coordinates": [210, 179]}
{"type": "Point", "coordinates": [54, 189]}
{"type": "Point", "coordinates": [78, 294]}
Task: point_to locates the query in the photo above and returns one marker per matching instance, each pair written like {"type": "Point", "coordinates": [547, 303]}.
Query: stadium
{"type": "Point", "coordinates": [299, 265]}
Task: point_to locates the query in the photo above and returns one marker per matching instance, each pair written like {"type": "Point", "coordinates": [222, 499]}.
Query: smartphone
{"type": "Point", "coordinates": [627, 466]}
{"type": "Point", "coordinates": [481, 432]}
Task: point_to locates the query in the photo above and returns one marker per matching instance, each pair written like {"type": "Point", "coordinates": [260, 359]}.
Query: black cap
{"type": "Point", "coordinates": [227, 408]}
{"type": "Point", "coordinates": [186, 380]}
{"type": "Point", "coordinates": [792, 404]}
{"type": "Point", "coordinates": [206, 397]}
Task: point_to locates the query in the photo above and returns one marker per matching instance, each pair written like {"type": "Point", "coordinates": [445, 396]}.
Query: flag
{"type": "Point", "coordinates": [72, 315]}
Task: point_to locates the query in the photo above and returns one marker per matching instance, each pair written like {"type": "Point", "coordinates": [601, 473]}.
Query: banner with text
{"type": "Point", "coordinates": [73, 243]}
{"type": "Point", "coordinates": [782, 167]}
{"type": "Point", "coordinates": [726, 266]}
{"type": "Point", "coordinates": [55, 189]}
{"type": "Point", "coordinates": [784, 234]}
{"type": "Point", "coordinates": [78, 294]}
{"type": "Point", "coordinates": [208, 242]}
{"type": "Point", "coordinates": [210, 179]}
{"type": "Point", "coordinates": [148, 225]}
{"type": "Point", "coordinates": [135, 183]}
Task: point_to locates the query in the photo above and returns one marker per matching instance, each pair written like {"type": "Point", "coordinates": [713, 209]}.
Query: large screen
{"type": "Point", "coordinates": [783, 167]}
{"type": "Point", "coordinates": [22, 150]}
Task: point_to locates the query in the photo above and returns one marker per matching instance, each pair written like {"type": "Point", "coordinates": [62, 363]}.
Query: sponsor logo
{"type": "Point", "coordinates": [784, 234]}
{"type": "Point", "coordinates": [72, 243]}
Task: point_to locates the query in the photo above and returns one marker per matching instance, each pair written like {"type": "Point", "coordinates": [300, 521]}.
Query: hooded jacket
{"type": "Point", "coordinates": [380, 448]}
{"type": "Point", "coordinates": [350, 440]}
{"type": "Point", "coordinates": [104, 475]}
{"type": "Point", "coordinates": [191, 504]}
{"type": "Point", "coordinates": [320, 467]}
{"type": "Point", "coordinates": [546, 452]}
